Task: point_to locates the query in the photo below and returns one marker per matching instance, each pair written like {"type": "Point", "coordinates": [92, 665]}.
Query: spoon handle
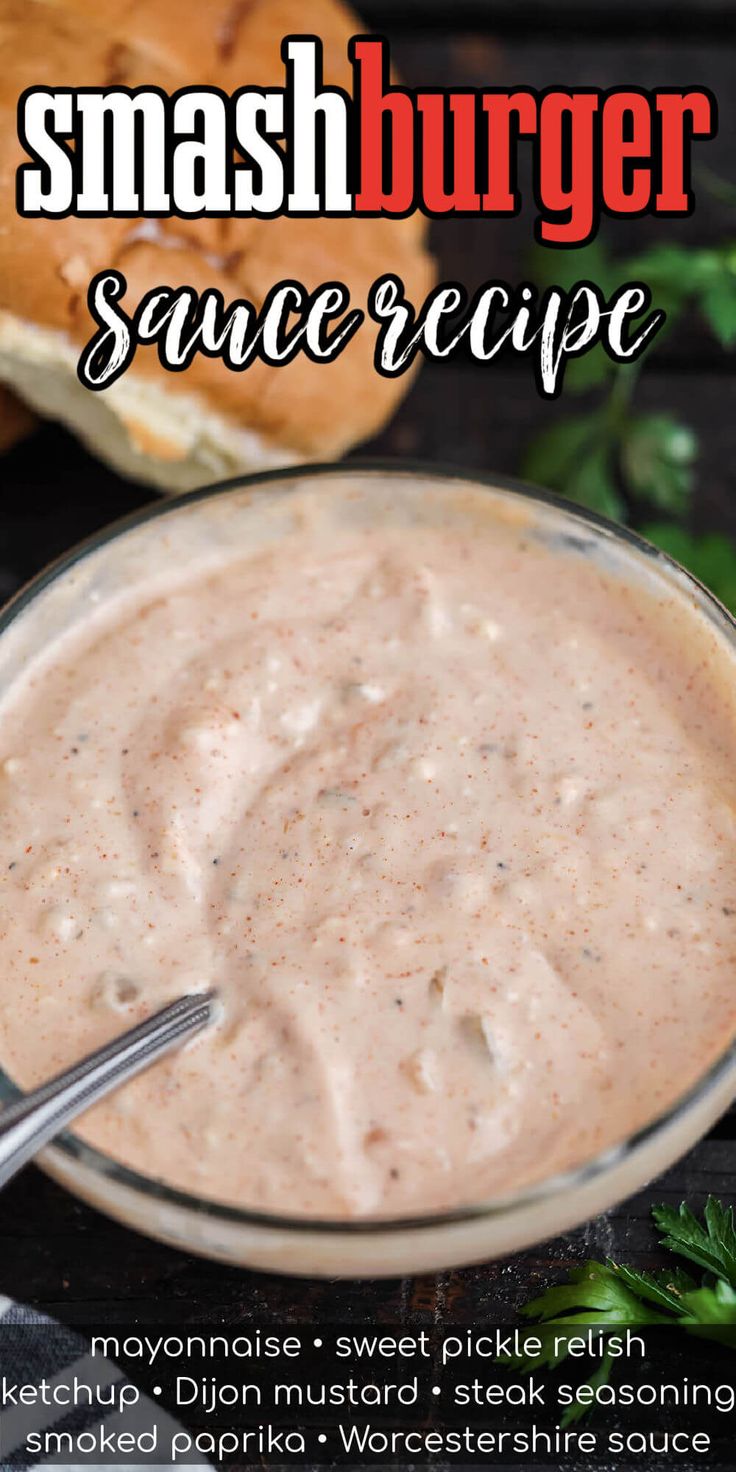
{"type": "Point", "coordinates": [28, 1125]}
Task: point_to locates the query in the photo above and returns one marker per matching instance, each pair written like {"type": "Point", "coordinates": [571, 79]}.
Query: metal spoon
{"type": "Point", "coordinates": [28, 1125]}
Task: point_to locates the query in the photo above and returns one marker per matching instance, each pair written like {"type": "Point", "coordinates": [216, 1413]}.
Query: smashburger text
{"type": "Point", "coordinates": [385, 149]}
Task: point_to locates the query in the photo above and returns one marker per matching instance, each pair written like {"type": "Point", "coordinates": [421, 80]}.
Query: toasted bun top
{"type": "Point", "coordinates": [46, 264]}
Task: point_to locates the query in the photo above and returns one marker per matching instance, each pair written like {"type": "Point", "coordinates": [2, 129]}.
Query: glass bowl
{"type": "Point", "coordinates": [59, 598]}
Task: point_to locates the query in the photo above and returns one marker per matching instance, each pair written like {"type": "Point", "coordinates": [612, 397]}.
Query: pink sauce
{"type": "Point", "coordinates": [445, 813]}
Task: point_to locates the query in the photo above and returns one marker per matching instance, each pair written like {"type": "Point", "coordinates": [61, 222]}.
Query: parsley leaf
{"type": "Point", "coordinates": [578, 1409]}
{"type": "Point", "coordinates": [649, 458]}
{"type": "Point", "coordinates": [711, 1313]}
{"type": "Point", "coordinates": [712, 1245]}
{"type": "Point", "coordinates": [670, 271]}
{"type": "Point", "coordinates": [592, 482]}
{"type": "Point", "coordinates": [592, 262]}
{"type": "Point", "coordinates": [594, 1286]}
{"type": "Point", "coordinates": [706, 277]}
{"type": "Point", "coordinates": [657, 457]}
{"type": "Point", "coordinates": [575, 459]}
{"type": "Point", "coordinates": [587, 456]}
{"type": "Point", "coordinates": [608, 1295]}
{"type": "Point", "coordinates": [718, 306]}
{"type": "Point", "coordinates": [553, 454]}
{"type": "Point", "coordinates": [665, 1289]}
{"type": "Point", "coordinates": [589, 370]}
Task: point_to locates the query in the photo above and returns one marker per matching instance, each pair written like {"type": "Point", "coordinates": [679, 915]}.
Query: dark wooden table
{"type": "Point", "coordinates": [57, 1253]}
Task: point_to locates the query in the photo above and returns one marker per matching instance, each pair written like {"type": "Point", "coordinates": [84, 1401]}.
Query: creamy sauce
{"type": "Point", "coordinates": [445, 812]}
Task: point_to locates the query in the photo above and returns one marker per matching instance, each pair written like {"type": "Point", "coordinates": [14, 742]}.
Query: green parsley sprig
{"type": "Point", "coordinates": [610, 1297]}
{"type": "Point", "coordinates": [628, 465]}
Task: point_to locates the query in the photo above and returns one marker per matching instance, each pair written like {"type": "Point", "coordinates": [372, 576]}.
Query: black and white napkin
{"type": "Point", "coordinates": [36, 1351]}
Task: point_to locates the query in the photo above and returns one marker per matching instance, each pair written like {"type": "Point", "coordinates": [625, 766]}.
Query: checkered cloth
{"type": "Point", "coordinates": [36, 1351]}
